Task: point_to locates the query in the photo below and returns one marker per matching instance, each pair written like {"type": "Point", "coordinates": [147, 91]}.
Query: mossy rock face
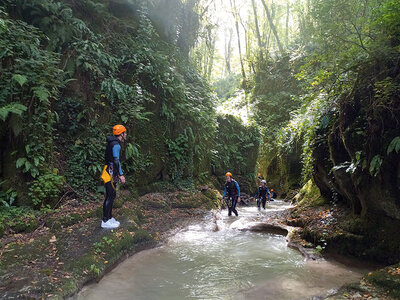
{"type": "Point", "coordinates": [157, 204]}
{"type": "Point", "coordinates": [310, 195]}
{"type": "Point", "coordinates": [156, 187]}
{"type": "Point", "coordinates": [188, 201]}
{"type": "Point", "coordinates": [238, 145]}
{"type": "Point", "coordinates": [210, 198]}
{"type": "Point", "coordinates": [212, 195]}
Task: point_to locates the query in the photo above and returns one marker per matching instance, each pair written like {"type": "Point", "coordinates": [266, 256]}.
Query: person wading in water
{"type": "Point", "coordinates": [262, 195]}
{"type": "Point", "coordinates": [112, 173]}
{"type": "Point", "coordinates": [231, 190]}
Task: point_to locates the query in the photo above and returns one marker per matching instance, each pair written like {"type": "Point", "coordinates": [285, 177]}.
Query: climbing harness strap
{"type": "Point", "coordinates": [229, 202]}
{"type": "Point", "coordinates": [107, 176]}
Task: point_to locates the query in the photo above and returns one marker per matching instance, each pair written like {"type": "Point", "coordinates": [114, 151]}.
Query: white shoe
{"type": "Point", "coordinates": [115, 221]}
{"type": "Point", "coordinates": [108, 225]}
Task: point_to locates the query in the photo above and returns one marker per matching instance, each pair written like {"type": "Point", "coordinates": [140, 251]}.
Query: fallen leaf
{"type": "Point", "coordinates": [53, 239]}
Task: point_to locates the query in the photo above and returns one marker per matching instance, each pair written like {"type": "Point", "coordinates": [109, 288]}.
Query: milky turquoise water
{"type": "Point", "coordinates": [201, 263]}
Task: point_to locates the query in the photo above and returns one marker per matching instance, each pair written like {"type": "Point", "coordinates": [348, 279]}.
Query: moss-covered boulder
{"type": "Point", "coordinates": [310, 195]}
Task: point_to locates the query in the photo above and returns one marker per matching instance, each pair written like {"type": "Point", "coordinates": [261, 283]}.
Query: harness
{"type": "Point", "coordinates": [229, 201]}
{"type": "Point", "coordinates": [108, 173]}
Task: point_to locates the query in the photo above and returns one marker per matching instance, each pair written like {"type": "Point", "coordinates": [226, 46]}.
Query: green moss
{"type": "Point", "coordinates": [157, 204]}
{"type": "Point", "coordinates": [84, 263]}
{"type": "Point", "coordinates": [310, 195]}
{"type": "Point", "coordinates": [46, 272]}
{"type": "Point", "coordinates": [186, 201]}
{"type": "Point", "coordinates": [57, 222]}
{"type": "Point", "coordinates": [25, 226]}
{"type": "Point", "coordinates": [157, 187]}
{"type": "Point", "coordinates": [141, 236]}
{"type": "Point", "coordinates": [119, 202]}
{"type": "Point", "coordinates": [99, 212]}
{"type": "Point", "coordinates": [388, 279]}
{"type": "Point", "coordinates": [18, 219]}
{"type": "Point", "coordinates": [69, 287]}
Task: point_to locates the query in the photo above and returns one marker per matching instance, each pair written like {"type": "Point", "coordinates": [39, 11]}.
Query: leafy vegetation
{"type": "Point", "coordinates": [70, 71]}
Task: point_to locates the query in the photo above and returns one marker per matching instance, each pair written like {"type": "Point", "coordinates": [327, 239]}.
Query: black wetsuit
{"type": "Point", "coordinates": [262, 194]}
{"type": "Point", "coordinates": [114, 170]}
{"type": "Point", "coordinates": [233, 192]}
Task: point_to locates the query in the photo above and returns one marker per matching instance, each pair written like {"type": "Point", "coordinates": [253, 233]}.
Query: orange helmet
{"type": "Point", "coordinates": [272, 190]}
{"type": "Point", "coordinates": [118, 129]}
{"type": "Point", "coordinates": [259, 174]}
{"type": "Point", "coordinates": [228, 174]}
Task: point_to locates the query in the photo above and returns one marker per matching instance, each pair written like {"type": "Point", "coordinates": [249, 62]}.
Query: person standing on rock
{"type": "Point", "coordinates": [262, 195]}
{"type": "Point", "coordinates": [232, 191]}
{"type": "Point", "coordinates": [112, 173]}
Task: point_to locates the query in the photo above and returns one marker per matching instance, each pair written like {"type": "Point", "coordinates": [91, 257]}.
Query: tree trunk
{"type": "Point", "coordinates": [235, 15]}
{"type": "Point", "coordinates": [228, 52]}
{"type": "Point", "coordinates": [287, 24]}
{"type": "Point", "coordinates": [212, 51]}
{"type": "Point", "coordinates": [257, 30]}
{"type": "Point", "coordinates": [271, 24]}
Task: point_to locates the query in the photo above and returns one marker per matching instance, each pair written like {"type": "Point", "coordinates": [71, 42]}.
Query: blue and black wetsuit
{"type": "Point", "coordinates": [232, 189]}
{"type": "Point", "coordinates": [262, 194]}
{"type": "Point", "coordinates": [113, 150]}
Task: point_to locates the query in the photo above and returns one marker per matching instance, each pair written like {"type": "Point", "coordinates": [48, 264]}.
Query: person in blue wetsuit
{"type": "Point", "coordinates": [263, 194]}
{"type": "Point", "coordinates": [112, 174]}
{"type": "Point", "coordinates": [232, 190]}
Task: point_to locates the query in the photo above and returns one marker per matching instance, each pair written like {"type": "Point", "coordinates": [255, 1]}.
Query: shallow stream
{"type": "Point", "coordinates": [200, 262]}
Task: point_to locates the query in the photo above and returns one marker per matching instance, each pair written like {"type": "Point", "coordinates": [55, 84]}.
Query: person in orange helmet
{"type": "Point", "coordinates": [263, 194]}
{"type": "Point", "coordinates": [232, 190]}
{"type": "Point", "coordinates": [273, 194]}
{"type": "Point", "coordinates": [112, 173]}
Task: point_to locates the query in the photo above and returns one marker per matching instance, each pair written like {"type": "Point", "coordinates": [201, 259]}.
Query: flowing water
{"type": "Point", "coordinates": [215, 259]}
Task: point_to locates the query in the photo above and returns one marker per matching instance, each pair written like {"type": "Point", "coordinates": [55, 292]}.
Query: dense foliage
{"type": "Point", "coordinates": [71, 70]}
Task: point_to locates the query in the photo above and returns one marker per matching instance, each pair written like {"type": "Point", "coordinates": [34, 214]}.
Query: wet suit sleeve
{"type": "Point", "coordinates": [116, 150]}
{"type": "Point", "coordinates": [224, 194]}
{"type": "Point", "coordinates": [237, 186]}
{"type": "Point", "coordinates": [269, 194]}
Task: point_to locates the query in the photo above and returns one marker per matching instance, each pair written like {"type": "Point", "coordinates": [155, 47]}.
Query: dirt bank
{"type": "Point", "coordinates": [70, 248]}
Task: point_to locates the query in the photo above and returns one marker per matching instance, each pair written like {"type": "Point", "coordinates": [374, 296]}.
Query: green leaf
{"type": "Point", "coordinates": [14, 107]}
{"type": "Point", "coordinates": [394, 145]}
{"type": "Point", "coordinates": [21, 79]}
{"type": "Point", "coordinates": [42, 93]}
{"type": "Point", "coordinates": [375, 165]}
{"type": "Point", "coordinates": [20, 162]}
{"type": "Point", "coordinates": [124, 118]}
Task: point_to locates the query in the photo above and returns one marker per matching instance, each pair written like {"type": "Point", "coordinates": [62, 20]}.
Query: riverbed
{"type": "Point", "coordinates": [216, 258]}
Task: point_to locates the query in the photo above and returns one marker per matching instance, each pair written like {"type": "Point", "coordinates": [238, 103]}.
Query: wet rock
{"type": "Point", "coordinates": [269, 228]}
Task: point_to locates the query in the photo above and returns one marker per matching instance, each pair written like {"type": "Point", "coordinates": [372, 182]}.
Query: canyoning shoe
{"type": "Point", "coordinates": [108, 225]}
{"type": "Point", "coordinates": [115, 221]}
